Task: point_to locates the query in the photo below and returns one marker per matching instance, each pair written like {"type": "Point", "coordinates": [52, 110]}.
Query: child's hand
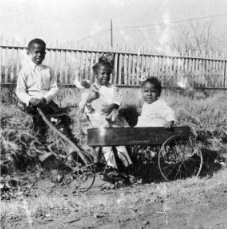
{"type": "Point", "coordinates": [169, 125]}
{"type": "Point", "coordinates": [34, 101]}
{"type": "Point", "coordinates": [92, 96]}
{"type": "Point", "coordinates": [107, 109]}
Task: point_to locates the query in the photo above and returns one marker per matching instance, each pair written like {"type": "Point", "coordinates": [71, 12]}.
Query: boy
{"type": "Point", "coordinates": [155, 111]}
{"type": "Point", "coordinates": [36, 87]}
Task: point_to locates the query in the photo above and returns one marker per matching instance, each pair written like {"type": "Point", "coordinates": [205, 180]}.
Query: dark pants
{"type": "Point", "coordinates": [61, 121]}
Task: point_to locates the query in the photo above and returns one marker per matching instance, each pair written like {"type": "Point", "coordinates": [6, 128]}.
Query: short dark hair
{"type": "Point", "coordinates": [106, 60]}
{"type": "Point", "coordinates": [36, 41]}
{"type": "Point", "coordinates": [98, 65]}
{"type": "Point", "coordinates": [153, 80]}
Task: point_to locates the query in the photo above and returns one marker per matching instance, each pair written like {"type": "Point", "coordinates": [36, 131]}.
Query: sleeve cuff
{"type": "Point", "coordinates": [171, 117]}
{"type": "Point", "coordinates": [48, 98]}
{"type": "Point", "coordinates": [27, 101]}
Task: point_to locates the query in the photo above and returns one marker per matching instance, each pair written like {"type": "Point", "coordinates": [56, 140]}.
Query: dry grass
{"type": "Point", "coordinates": [207, 119]}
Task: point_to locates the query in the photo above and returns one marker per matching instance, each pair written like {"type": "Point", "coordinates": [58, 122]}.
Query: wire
{"type": "Point", "coordinates": [174, 22]}
{"type": "Point", "coordinates": [96, 34]}
{"type": "Point", "coordinates": [151, 25]}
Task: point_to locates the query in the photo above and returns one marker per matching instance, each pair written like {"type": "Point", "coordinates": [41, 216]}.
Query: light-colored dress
{"type": "Point", "coordinates": [156, 114]}
{"type": "Point", "coordinates": [107, 95]}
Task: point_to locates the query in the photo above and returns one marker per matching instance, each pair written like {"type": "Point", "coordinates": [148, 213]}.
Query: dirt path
{"type": "Point", "coordinates": [192, 203]}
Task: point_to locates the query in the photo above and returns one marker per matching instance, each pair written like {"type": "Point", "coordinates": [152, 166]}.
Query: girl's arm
{"type": "Point", "coordinates": [87, 98]}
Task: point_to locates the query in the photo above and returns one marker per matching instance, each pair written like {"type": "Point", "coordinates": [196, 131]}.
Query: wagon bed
{"type": "Point", "coordinates": [134, 136]}
{"type": "Point", "coordinates": [176, 154]}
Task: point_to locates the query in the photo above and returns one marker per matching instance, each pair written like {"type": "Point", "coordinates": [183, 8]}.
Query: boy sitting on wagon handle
{"type": "Point", "coordinates": [37, 87]}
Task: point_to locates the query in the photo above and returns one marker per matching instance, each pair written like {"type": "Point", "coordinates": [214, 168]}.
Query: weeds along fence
{"type": "Point", "coordinates": [196, 69]}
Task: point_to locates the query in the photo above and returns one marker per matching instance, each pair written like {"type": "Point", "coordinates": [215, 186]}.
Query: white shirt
{"type": "Point", "coordinates": [156, 114]}
{"type": "Point", "coordinates": [36, 81]}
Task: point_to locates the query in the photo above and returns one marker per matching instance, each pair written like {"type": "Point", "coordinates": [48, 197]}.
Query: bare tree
{"type": "Point", "coordinates": [199, 36]}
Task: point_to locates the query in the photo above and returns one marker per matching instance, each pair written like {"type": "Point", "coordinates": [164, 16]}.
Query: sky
{"type": "Point", "coordinates": [136, 23]}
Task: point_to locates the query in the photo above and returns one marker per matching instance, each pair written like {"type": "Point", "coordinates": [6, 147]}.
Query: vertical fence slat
{"type": "Point", "coordinates": [56, 66]}
{"type": "Point", "coordinates": [81, 65]}
{"type": "Point", "coordinates": [225, 74]}
{"type": "Point", "coordinates": [125, 69]}
{"type": "Point", "coordinates": [7, 63]}
{"type": "Point", "coordinates": [12, 61]}
{"type": "Point", "coordinates": [200, 69]}
{"type": "Point", "coordinates": [142, 66]}
{"type": "Point", "coordinates": [115, 73]}
{"type": "Point", "coordinates": [138, 67]}
{"type": "Point", "coordinates": [76, 77]}
{"type": "Point", "coordinates": [2, 50]}
{"type": "Point", "coordinates": [146, 65]}
{"type": "Point", "coordinates": [86, 65]}
{"type": "Point", "coordinates": [152, 65]}
{"type": "Point", "coordinates": [224, 71]}
{"type": "Point", "coordinates": [175, 62]}
{"type": "Point", "coordinates": [17, 60]}
{"type": "Point", "coordinates": [129, 70]}
{"type": "Point", "coordinates": [91, 65]}
{"type": "Point", "coordinates": [119, 69]}
{"type": "Point", "coordinates": [190, 73]}
{"type": "Point", "coordinates": [133, 69]}
{"type": "Point", "coordinates": [61, 70]}
{"type": "Point", "coordinates": [193, 68]}
{"type": "Point", "coordinates": [216, 70]}
{"type": "Point", "coordinates": [179, 67]}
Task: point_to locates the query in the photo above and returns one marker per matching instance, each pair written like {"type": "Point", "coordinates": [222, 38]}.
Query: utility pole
{"type": "Point", "coordinates": [111, 34]}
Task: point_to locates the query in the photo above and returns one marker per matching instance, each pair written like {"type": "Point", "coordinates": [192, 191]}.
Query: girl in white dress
{"type": "Point", "coordinates": [101, 103]}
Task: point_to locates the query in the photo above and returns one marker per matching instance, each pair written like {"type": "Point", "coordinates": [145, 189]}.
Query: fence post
{"type": "Point", "coordinates": [225, 75]}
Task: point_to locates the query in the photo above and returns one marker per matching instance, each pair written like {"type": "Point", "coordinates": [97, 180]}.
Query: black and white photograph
{"type": "Point", "coordinates": [113, 114]}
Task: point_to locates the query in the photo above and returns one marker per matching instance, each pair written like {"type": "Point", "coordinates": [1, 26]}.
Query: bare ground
{"type": "Point", "coordinates": [191, 203]}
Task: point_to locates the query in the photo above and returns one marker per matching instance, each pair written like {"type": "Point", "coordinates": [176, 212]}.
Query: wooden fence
{"type": "Point", "coordinates": [196, 69]}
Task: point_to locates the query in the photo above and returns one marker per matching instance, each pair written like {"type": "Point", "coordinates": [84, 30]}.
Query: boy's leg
{"type": "Point", "coordinates": [40, 128]}
{"type": "Point", "coordinates": [123, 155]}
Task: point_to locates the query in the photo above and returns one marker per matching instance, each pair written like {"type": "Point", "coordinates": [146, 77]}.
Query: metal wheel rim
{"type": "Point", "coordinates": [182, 162]}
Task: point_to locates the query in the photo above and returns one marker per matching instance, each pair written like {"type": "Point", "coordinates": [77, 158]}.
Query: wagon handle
{"type": "Point", "coordinates": [74, 146]}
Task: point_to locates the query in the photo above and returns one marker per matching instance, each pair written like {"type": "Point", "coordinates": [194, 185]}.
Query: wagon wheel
{"type": "Point", "coordinates": [84, 175]}
{"type": "Point", "coordinates": [179, 158]}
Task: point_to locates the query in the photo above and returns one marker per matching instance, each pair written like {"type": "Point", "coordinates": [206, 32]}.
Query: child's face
{"type": "Point", "coordinates": [150, 93]}
{"type": "Point", "coordinates": [103, 75]}
{"type": "Point", "coordinates": [37, 53]}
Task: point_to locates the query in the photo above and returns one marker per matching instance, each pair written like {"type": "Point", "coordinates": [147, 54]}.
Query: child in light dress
{"type": "Point", "coordinates": [155, 111]}
{"type": "Point", "coordinates": [101, 103]}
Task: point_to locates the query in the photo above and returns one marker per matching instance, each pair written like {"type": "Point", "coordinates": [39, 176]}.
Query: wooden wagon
{"type": "Point", "coordinates": [177, 155]}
